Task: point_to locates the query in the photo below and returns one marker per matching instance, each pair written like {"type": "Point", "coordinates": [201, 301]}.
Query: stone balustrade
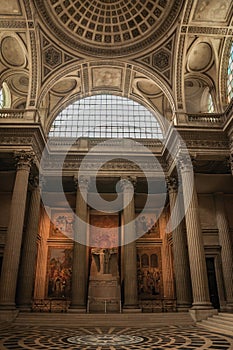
{"type": "Point", "coordinates": [16, 115]}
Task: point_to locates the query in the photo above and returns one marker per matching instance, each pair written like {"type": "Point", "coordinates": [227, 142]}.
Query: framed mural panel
{"type": "Point", "coordinates": [149, 271]}
{"type": "Point", "coordinates": [59, 270]}
{"type": "Point", "coordinates": [100, 238]}
{"type": "Point", "coordinates": [62, 224]}
{"type": "Point", "coordinates": [147, 225]}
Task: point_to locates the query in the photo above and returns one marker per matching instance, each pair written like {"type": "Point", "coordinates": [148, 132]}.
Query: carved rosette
{"type": "Point", "coordinates": [24, 160]}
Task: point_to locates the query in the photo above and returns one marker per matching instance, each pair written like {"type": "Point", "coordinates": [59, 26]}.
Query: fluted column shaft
{"type": "Point", "coordinates": [12, 248]}
{"type": "Point", "coordinates": [130, 253]}
{"type": "Point", "coordinates": [29, 251]}
{"type": "Point", "coordinates": [201, 299]}
{"type": "Point", "coordinates": [180, 252]}
{"type": "Point", "coordinates": [79, 270]}
{"type": "Point", "coordinates": [226, 247]}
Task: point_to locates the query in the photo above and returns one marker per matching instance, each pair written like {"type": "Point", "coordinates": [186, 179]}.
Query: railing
{"type": "Point", "coordinates": [158, 305]}
{"type": "Point", "coordinates": [12, 115]}
{"type": "Point", "coordinates": [84, 145]}
{"type": "Point", "coordinates": [50, 305]}
{"type": "Point", "coordinates": [206, 120]}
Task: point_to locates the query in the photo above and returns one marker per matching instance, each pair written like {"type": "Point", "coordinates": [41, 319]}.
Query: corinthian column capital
{"type": "Point", "coordinates": [128, 183]}
{"type": "Point", "coordinates": [24, 159]}
{"type": "Point", "coordinates": [82, 182]}
{"type": "Point", "coordinates": [185, 163]}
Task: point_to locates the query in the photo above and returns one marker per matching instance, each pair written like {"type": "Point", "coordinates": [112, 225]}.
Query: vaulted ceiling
{"type": "Point", "coordinates": [162, 53]}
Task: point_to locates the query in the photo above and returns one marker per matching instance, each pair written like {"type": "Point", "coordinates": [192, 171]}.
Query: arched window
{"type": "Point", "coordinates": [2, 98]}
{"type": "Point", "coordinates": [145, 260]}
{"type": "Point", "coordinates": [106, 116]}
{"type": "Point", "coordinates": [210, 104]}
{"type": "Point", "coordinates": [154, 260]}
{"type": "Point", "coordinates": [5, 96]}
{"type": "Point", "coordinates": [230, 76]}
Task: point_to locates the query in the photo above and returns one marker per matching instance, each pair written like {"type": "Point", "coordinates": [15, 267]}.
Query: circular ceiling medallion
{"type": "Point", "coordinates": [105, 340]}
{"type": "Point", "coordinates": [64, 86]}
{"type": "Point", "coordinates": [19, 83]}
{"type": "Point", "coordinates": [12, 52]}
{"type": "Point", "coordinates": [200, 57]}
{"type": "Point", "coordinates": [109, 26]}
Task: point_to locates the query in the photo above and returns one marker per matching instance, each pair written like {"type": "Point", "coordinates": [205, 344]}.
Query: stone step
{"type": "Point", "coordinates": [133, 320]}
{"type": "Point", "coordinates": [217, 324]}
{"type": "Point", "coordinates": [226, 315]}
{"type": "Point", "coordinates": [221, 323]}
{"type": "Point", "coordinates": [217, 330]}
{"type": "Point", "coordinates": [223, 320]}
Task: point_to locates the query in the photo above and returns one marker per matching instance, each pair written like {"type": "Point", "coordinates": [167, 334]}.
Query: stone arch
{"type": "Point", "coordinates": [117, 78]}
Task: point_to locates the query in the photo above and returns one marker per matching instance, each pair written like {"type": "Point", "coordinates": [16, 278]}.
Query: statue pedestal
{"type": "Point", "coordinates": [104, 294]}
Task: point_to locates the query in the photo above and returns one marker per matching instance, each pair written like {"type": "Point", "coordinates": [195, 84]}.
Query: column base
{"type": "Point", "coordinates": [183, 308]}
{"type": "Point", "coordinates": [24, 308]}
{"type": "Point", "coordinates": [202, 314]}
{"type": "Point", "coordinates": [131, 309]}
{"type": "Point", "coordinates": [77, 310]}
{"type": "Point", "coordinates": [8, 315]}
{"type": "Point", "coordinates": [229, 307]}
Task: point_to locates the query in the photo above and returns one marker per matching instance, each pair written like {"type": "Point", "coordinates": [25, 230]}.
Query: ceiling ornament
{"type": "Point", "coordinates": [160, 59]}
{"type": "Point", "coordinates": [200, 57]}
{"type": "Point", "coordinates": [116, 27]}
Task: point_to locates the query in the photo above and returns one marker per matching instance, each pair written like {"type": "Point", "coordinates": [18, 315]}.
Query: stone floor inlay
{"type": "Point", "coordinates": [105, 339]}
{"type": "Point", "coordinates": [111, 338]}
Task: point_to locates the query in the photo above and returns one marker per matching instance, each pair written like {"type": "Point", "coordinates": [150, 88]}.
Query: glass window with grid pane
{"type": "Point", "coordinates": [230, 76]}
{"type": "Point", "coordinates": [210, 104]}
{"type": "Point", "coordinates": [1, 98]}
{"type": "Point", "coordinates": [106, 116]}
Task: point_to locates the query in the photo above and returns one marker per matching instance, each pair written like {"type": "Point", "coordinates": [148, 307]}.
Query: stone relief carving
{"type": "Point", "coordinates": [212, 10]}
{"type": "Point", "coordinates": [106, 77]}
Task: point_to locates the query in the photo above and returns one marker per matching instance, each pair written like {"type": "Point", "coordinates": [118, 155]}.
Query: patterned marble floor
{"type": "Point", "coordinates": [110, 338]}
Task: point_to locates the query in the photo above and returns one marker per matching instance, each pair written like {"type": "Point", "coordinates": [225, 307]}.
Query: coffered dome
{"type": "Point", "coordinates": [109, 27]}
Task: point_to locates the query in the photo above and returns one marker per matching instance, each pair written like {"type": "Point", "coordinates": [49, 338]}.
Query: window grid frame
{"type": "Point", "coordinates": [106, 116]}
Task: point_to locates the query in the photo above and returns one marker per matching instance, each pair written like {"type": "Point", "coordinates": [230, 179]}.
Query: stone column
{"type": "Point", "coordinates": [130, 253]}
{"type": "Point", "coordinates": [79, 269]}
{"type": "Point", "coordinates": [227, 248]}
{"type": "Point", "coordinates": [12, 248]}
{"type": "Point", "coordinates": [180, 250]}
{"type": "Point", "coordinates": [201, 307]}
{"type": "Point", "coordinates": [29, 251]}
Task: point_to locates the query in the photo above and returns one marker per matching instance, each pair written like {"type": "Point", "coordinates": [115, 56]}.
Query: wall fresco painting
{"type": "Point", "coordinates": [149, 268]}
{"type": "Point", "coordinates": [62, 224]}
{"type": "Point", "coordinates": [59, 272]}
{"type": "Point", "coordinates": [103, 239]}
{"type": "Point", "coordinates": [147, 225]}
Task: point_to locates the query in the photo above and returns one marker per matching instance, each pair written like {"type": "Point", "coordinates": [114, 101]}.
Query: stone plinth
{"type": "Point", "coordinates": [104, 294]}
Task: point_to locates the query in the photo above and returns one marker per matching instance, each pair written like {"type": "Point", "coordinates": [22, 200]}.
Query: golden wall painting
{"type": "Point", "coordinates": [104, 239]}
{"type": "Point", "coordinates": [147, 225]}
{"type": "Point", "coordinates": [59, 272]}
{"type": "Point", "coordinates": [149, 269]}
{"type": "Point", "coordinates": [62, 224]}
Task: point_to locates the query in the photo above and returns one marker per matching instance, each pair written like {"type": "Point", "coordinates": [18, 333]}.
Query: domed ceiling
{"type": "Point", "coordinates": [109, 27]}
